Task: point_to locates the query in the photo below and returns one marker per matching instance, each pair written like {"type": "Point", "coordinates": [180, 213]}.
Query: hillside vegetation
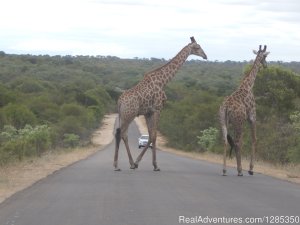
{"type": "Point", "coordinates": [48, 102]}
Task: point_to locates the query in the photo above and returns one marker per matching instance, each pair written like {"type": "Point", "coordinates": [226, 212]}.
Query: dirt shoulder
{"type": "Point", "coordinates": [16, 177]}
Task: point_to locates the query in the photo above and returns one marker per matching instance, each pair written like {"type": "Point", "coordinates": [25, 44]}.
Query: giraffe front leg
{"type": "Point", "coordinates": [148, 118]}
{"type": "Point", "coordinates": [116, 166]}
{"type": "Point", "coordinates": [139, 158]}
{"type": "Point", "coordinates": [239, 162]}
{"type": "Point", "coordinates": [238, 136]}
{"type": "Point", "coordinates": [132, 165]}
{"type": "Point", "coordinates": [239, 159]}
{"type": "Point", "coordinates": [153, 137]}
{"type": "Point", "coordinates": [156, 168]}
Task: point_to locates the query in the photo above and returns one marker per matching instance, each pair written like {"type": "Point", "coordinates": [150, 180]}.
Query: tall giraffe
{"type": "Point", "coordinates": [147, 98]}
{"type": "Point", "coordinates": [239, 107]}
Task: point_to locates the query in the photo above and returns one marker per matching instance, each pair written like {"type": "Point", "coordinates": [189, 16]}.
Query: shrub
{"type": "Point", "coordinates": [208, 138]}
{"type": "Point", "coordinates": [71, 140]}
{"type": "Point", "coordinates": [28, 141]}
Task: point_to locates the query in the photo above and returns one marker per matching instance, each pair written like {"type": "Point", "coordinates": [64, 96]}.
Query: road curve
{"type": "Point", "coordinates": [185, 191]}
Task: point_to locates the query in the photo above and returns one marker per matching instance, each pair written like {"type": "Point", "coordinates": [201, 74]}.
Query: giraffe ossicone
{"type": "Point", "coordinates": [147, 98]}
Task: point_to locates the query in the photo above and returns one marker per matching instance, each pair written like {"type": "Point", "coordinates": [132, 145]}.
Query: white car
{"type": "Point", "coordinates": [143, 140]}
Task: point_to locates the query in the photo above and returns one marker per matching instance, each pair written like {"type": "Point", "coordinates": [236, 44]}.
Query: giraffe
{"type": "Point", "coordinates": [239, 107]}
{"type": "Point", "coordinates": [147, 98]}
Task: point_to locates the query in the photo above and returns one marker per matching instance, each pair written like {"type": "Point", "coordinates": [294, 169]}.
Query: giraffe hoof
{"type": "Point", "coordinates": [224, 173]}
{"type": "Point", "coordinates": [117, 169]}
{"type": "Point", "coordinates": [250, 172]}
{"type": "Point", "coordinates": [134, 166]}
{"type": "Point", "coordinates": [156, 169]}
{"type": "Point", "coordinates": [240, 174]}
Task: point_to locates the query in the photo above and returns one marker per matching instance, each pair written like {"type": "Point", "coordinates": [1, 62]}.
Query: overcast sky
{"type": "Point", "coordinates": [225, 29]}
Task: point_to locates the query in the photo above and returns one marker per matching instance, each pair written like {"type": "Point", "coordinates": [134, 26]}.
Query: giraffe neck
{"type": "Point", "coordinates": [249, 79]}
{"type": "Point", "coordinates": [165, 73]}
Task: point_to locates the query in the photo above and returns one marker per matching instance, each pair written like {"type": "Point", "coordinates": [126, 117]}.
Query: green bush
{"type": "Point", "coordinates": [28, 141]}
{"type": "Point", "coordinates": [208, 138]}
{"type": "Point", "coordinates": [71, 140]}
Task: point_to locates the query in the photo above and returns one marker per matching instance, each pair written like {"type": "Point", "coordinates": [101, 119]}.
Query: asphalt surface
{"type": "Point", "coordinates": [185, 191]}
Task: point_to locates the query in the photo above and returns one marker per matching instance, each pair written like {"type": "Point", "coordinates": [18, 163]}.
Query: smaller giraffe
{"type": "Point", "coordinates": [147, 98]}
{"type": "Point", "coordinates": [239, 107]}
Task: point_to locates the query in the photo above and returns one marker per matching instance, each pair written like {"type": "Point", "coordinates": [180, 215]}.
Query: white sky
{"type": "Point", "coordinates": [226, 29]}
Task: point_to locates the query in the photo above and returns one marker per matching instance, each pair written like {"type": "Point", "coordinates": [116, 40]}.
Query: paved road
{"type": "Point", "coordinates": [90, 192]}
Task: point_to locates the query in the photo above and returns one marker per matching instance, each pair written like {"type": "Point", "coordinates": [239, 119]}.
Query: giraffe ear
{"type": "Point", "coordinates": [255, 52]}
{"type": "Point", "coordinates": [266, 53]}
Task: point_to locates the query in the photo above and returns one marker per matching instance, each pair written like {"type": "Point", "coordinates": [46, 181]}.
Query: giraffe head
{"type": "Point", "coordinates": [262, 55]}
{"type": "Point", "coordinates": [196, 49]}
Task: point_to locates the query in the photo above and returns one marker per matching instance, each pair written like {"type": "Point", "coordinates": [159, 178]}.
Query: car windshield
{"type": "Point", "coordinates": [145, 137]}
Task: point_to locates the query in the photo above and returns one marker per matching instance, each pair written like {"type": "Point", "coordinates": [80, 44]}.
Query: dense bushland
{"type": "Point", "coordinates": [47, 102]}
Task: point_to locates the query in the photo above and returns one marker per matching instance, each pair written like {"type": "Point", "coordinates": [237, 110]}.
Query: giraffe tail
{"type": "Point", "coordinates": [118, 137]}
{"type": "Point", "coordinates": [231, 143]}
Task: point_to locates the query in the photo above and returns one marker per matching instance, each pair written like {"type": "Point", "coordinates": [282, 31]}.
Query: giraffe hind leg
{"type": "Point", "coordinates": [118, 140]}
{"type": "Point", "coordinates": [223, 122]}
{"type": "Point", "coordinates": [224, 159]}
{"type": "Point", "coordinates": [224, 133]}
{"type": "Point", "coordinates": [238, 145]}
{"type": "Point", "coordinates": [253, 150]}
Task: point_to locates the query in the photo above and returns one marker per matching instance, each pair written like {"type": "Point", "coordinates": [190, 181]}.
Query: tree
{"type": "Point", "coordinates": [277, 88]}
{"type": "Point", "coordinates": [6, 96]}
{"type": "Point", "coordinates": [18, 115]}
